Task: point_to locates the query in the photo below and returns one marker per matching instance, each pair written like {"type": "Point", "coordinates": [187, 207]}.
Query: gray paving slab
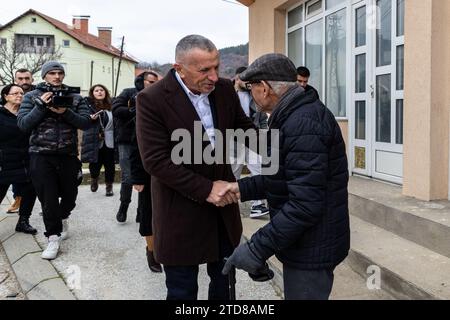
{"type": "Point", "coordinates": [9, 286]}
{"type": "Point", "coordinates": [32, 270]}
{"type": "Point", "coordinates": [54, 289]}
{"type": "Point", "coordinates": [19, 245]}
{"type": "Point", "coordinates": [7, 228]}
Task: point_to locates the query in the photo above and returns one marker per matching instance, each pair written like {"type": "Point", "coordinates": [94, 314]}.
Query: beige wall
{"type": "Point", "coordinates": [427, 99]}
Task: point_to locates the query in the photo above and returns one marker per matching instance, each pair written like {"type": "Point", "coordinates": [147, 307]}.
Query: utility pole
{"type": "Point", "coordinates": [92, 72]}
{"type": "Point", "coordinates": [118, 68]}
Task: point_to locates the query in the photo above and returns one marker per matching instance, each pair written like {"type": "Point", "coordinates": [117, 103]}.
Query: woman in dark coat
{"type": "Point", "coordinates": [14, 157]}
{"type": "Point", "coordinates": [97, 146]}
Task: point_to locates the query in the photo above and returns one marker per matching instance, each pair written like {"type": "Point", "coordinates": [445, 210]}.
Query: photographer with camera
{"type": "Point", "coordinates": [52, 113]}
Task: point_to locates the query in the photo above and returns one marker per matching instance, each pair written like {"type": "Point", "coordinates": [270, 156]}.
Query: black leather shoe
{"type": "Point", "coordinates": [23, 226]}
{"type": "Point", "coordinates": [122, 213]}
{"type": "Point", "coordinates": [152, 264]}
{"type": "Point", "coordinates": [94, 185]}
{"type": "Point", "coordinates": [109, 190]}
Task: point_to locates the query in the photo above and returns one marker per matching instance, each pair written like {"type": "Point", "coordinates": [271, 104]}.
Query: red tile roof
{"type": "Point", "coordinates": [88, 40]}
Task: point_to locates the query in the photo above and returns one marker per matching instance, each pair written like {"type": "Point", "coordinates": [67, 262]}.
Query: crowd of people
{"type": "Point", "coordinates": [188, 213]}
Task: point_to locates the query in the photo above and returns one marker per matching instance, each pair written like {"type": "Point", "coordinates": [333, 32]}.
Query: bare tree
{"type": "Point", "coordinates": [15, 55]}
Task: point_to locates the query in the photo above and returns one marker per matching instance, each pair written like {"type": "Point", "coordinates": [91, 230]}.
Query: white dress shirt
{"type": "Point", "coordinates": [203, 108]}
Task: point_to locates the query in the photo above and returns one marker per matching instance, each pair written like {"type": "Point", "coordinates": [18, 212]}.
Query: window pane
{"type": "Point", "coordinates": [400, 18]}
{"type": "Point", "coordinates": [384, 32]}
{"type": "Point", "coordinates": [295, 16]}
{"type": "Point", "coordinates": [295, 45]}
{"type": "Point", "coordinates": [313, 52]}
{"type": "Point", "coordinates": [313, 8]}
{"type": "Point", "coordinates": [360, 76]}
{"type": "Point", "coordinates": [336, 63]}
{"type": "Point", "coordinates": [40, 42]}
{"type": "Point", "coordinates": [334, 3]}
{"type": "Point", "coordinates": [400, 67]}
{"type": "Point", "coordinates": [399, 122]}
{"type": "Point", "coordinates": [360, 27]}
{"type": "Point", "coordinates": [360, 120]}
{"type": "Point", "coordinates": [384, 108]}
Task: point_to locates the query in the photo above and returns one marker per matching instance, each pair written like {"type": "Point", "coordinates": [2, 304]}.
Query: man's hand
{"type": "Point", "coordinates": [245, 258]}
{"type": "Point", "coordinates": [47, 97]}
{"type": "Point", "coordinates": [221, 194]}
{"type": "Point", "coordinates": [138, 188]}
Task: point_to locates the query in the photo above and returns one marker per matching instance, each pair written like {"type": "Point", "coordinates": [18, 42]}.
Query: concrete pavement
{"type": "Point", "coordinates": [104, 260]}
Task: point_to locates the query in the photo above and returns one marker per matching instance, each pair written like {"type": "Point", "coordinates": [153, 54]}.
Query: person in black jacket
{"type": "Point", "coordinates": [54, 163]}
{"type": "Point", "coordinates": [97, 147]}
{"type": "Point", "coordinates": [24, 79]}
{"type": "Point", "coordinates": [303, 75]}
{"type": "Point", "coordinates": [124, 111]}
{"type": "Point", "coordinates": [309, 229]}
{"type": "Point", "coordinates": [14, 158]}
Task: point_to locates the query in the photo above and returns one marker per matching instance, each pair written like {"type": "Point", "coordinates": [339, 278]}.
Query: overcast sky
{"type": "Point", "coordinates": [151, 28]}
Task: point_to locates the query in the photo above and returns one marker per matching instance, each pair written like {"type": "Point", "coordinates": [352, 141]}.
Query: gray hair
{"type": "Point", "coordinates": [191, 42]}
{"type": "Point", "coordinates": [280, 87]}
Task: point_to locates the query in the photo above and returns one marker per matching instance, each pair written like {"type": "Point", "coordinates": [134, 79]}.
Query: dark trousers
{"type": "Point", "coordinates": [145, 211]}
{"type": "Point", "coordinates": [126, 188]}
{"type": "Point", "coordinates": [106, 159]}
{"type": "Point", "coordinates": [55, 177]}
{"type": "Point", "coordinates": [182, 281]}
{"type": "Point", "coordinates": [28, 197]}
{"type": "Point", "coordinates": [307, 284]}
{"type": "Point", "coordinates": [16, 190]}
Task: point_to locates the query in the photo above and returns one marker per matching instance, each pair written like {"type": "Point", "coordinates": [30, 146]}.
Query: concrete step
{"type": "Point", "coordinates": [348, 285]}
{"type": "Point", "coordinates": [408, 270]}
{"type": "Point", "coordinates": [382, 204]}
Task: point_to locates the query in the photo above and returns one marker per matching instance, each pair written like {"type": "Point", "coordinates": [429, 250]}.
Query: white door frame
{"type": "Point", "coordinates": [372, 147]}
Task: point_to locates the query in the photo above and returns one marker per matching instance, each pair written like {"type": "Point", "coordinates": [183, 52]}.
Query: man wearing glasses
{"type": "Point", "coordinates": [308, 198]}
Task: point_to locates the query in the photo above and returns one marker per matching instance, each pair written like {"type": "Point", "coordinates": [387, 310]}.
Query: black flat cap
{"type": "Point", "coordinates": [271, 67]}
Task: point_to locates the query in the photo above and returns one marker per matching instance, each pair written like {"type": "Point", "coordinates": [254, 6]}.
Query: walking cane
{"type": "Point", "coordinates": [232, 282]}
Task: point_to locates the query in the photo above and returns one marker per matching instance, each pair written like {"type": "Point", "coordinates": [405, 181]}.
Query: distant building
{"type": "Point", "coordinates": [88, 59]}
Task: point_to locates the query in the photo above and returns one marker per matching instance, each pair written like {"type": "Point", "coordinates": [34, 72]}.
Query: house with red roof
{"type": "Point", "coordinates": [88, 59]}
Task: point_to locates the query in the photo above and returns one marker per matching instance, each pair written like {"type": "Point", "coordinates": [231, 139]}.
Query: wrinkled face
{"type": "Point", "coordinates": [14, 96]}
{"type": "Point", "coordinates": [150, 80]}
{"type": "Point", "coordinates": [55, 78]}
{"type": "Point", "coordinates": [303, 81]}
{"type": "Point", "coordinates": [99, 93]}
{"type": "Point", "coordinates": [259, 94]}
{"type": "Point", "coordinates": [24, 79]}
{"type": "Point", "coordinates": [199, 70]}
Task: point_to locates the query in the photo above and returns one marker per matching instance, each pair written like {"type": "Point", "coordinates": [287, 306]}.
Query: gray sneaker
{"type": "Point", "coordinates": [259, 211]}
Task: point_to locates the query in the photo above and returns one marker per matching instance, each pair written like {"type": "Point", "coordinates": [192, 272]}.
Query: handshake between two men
{"type": "Point", "coordinates": [224, 193]}
{"type": "Point", "coordinates": [245, 256]}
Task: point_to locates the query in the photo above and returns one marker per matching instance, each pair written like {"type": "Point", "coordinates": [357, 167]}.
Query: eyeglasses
{"type": "Point", "coordinates": [248, 85]}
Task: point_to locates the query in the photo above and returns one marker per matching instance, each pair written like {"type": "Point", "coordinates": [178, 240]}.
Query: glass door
{"type": "Point", "coordinates": [377, 100]}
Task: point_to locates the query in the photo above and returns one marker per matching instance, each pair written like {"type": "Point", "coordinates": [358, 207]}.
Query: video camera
{"type": "Point", "coordinates": [61, 96]}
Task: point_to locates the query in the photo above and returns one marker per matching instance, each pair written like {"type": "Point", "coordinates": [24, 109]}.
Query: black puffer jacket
{"type": "Point", "coordinates": [124, 111]}
{"type": "Point", "coordinates": [52, 133]}
{"type": "Point", "coordinates": [308, 198]}
{"type": "Point", "coordinates": [14, 157]}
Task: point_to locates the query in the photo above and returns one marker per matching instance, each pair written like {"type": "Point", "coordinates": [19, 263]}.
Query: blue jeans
{"type": "Point", "coordinates": [307, 284]}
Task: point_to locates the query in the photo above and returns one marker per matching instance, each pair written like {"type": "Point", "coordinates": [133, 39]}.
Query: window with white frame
{"type": "Point", "coordinates": [317, 39]}
{"type": "Point", "coordinates": [3, 41]}
{"type": "Point", "coordinates": [66, 43]}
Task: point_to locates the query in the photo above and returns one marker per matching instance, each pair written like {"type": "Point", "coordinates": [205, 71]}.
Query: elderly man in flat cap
{"type": "Point", "coordinates": [54, 165]}
{"type": "Point", "coordinates": [309, 228]}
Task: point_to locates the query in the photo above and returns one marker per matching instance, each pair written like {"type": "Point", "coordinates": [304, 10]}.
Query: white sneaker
{"type": "Point", "coordinates": [52, 248]}
{"type": "Point", "coordinates": [65, 231]}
